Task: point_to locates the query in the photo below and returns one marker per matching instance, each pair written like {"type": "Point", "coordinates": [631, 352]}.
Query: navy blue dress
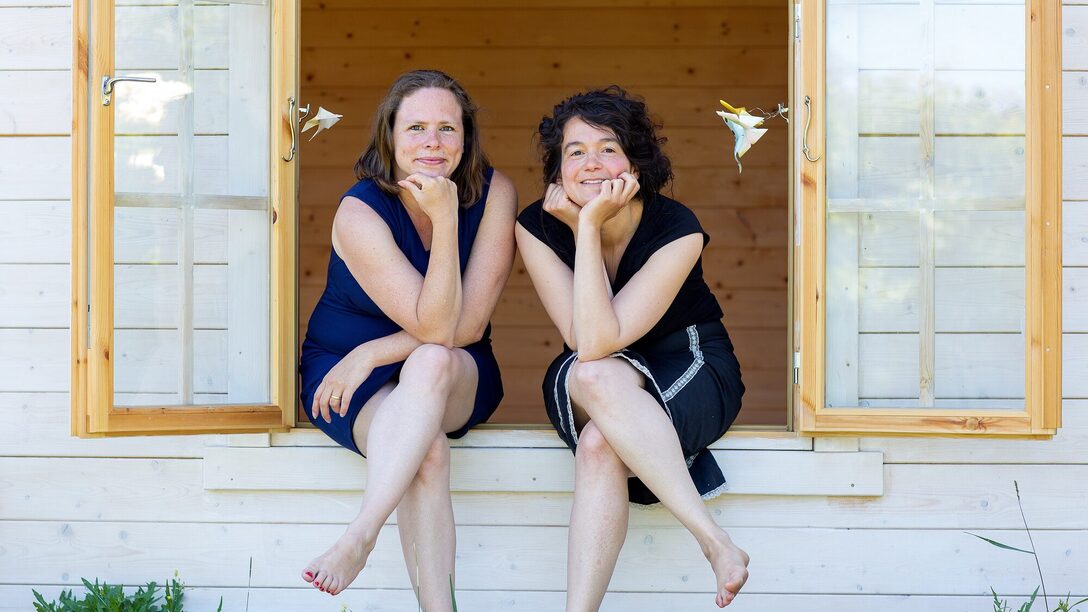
{"type": "Point", "coordinates": [346, 317]}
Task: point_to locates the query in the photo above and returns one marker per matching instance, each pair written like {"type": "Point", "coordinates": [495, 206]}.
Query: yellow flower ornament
{"type": "Point", "coordinates": [745, 126]}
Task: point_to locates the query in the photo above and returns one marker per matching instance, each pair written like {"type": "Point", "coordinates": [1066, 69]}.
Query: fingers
{"type": "Point", "coordinates": [554, 196]}
{"type": "Point", "coordinates": [630, 186]}
{"type": "Point", "coordinates": [323, 404]}
{"type": "Point", "coordinates": [345, 401]}
{"type": "Point", "coordinates": [422, 181]}
{"type": "Point", "coordinates": [317, 398]}
{"type": "Point", "coordinates": [606, 189]}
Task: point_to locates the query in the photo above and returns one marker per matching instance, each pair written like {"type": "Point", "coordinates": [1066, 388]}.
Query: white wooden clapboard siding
{"type": "Point", "coordinates": [147, 296]}
{"type": "Point", "coordinates": [932, 496]}
{"type": "Point", "coordinates": [135, 509]}
{"type": "Point", "coordinates": [35, 168]}
{"type": "Point", "coordinates": [389, 600]}
{"type": "Point", "coordinates": [49, 93]}
{"type": "Point", "coordinates": [36, 38]}
{"type": "Point", "coordinates": [490, 469]}
{"type": "Point", "coordinates": [784, 559]}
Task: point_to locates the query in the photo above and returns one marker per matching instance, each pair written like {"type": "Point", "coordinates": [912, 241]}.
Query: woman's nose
{"type": "Point", "coordinates": [432, 139]}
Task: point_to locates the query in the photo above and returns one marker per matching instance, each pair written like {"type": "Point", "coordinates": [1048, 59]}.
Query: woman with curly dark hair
{"type": "Point", "coordinates": [647, 379]}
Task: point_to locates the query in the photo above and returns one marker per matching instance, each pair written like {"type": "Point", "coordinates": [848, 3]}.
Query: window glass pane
{"type": "Point", "coordinates": [925, 211]}
{"type": "Point", "coordinates": [192, 217]}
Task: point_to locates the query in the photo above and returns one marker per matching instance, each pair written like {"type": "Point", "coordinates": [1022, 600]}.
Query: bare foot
{"type": "Point", "coordinates": [333, 571]}
{"type": "Point", "coordinates": [730, 565]}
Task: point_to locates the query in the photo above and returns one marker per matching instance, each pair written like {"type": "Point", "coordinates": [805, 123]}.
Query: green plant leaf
{"type": "Point", "coordinates": [999, 544]}
{"type": "Point", "coordinates": [1026, 606]}
{"type": "Point", "coordinates": [453, 598]}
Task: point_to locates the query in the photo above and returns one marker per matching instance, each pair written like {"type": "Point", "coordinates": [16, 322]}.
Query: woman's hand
{"type": "Point", "coordinates": [614, 196]}
{"type": "Point", "coordinates": [560, 206]}
{"type": "Point", "coordinates": [435, 195]}
{"type": "Point", "coordinates": [339, 385]}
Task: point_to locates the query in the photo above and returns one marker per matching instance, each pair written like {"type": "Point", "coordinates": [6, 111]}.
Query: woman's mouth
{"type": "Point", "coordinates": [431, 161]}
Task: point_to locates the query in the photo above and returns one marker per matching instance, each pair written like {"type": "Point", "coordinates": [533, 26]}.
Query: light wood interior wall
{"type": "Point", "coordinates": [517, 62]}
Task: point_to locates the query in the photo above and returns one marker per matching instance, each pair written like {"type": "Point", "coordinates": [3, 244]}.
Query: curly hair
{"type": "Point", "coordinates": [378, 160]}
{"type": "Point", "coordinates": [611, 108]}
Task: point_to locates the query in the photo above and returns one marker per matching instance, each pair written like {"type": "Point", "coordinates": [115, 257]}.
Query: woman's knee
{"type": "Point", "coordinates": [431, 361]}
{"type": "Point", "coordinates": [594, 451]}
{"type": "Point", "coordinates": [435, 467]}
{"type": "Point", "coordinates": [594, 382]}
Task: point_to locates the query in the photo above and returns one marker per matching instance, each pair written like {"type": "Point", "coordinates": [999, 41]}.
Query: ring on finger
{"type": "Point", "coordinates": [335, 398]}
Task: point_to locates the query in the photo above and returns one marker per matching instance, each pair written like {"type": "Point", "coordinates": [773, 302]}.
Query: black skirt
{"type": "Point", "coordinates": [695, 378]}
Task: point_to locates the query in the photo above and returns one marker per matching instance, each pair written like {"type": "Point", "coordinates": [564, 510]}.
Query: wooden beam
{"type": "Point", "coordinates": [80, 143]}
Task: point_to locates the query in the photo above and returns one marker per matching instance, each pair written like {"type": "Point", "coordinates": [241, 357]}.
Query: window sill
{"type": "Point", "coordinates": [536, 461]}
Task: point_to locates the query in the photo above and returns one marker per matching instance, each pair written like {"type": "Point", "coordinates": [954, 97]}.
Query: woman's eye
{"type": "Point", "coordinates": [416, 127]}
{"type": "Point", "coordinates": [575, 153]}
{"type": "Point", "coordinates": [447, 128]}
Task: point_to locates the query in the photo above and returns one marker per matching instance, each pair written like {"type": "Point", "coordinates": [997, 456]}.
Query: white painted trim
{"type": "Point", "coordinates": [539, 470]}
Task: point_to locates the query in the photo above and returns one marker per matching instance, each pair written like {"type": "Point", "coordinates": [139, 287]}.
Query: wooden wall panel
{"type": "Point", "coordinates": [680, 56]}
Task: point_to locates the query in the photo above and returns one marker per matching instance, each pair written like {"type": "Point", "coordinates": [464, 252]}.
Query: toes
{"type": "Point", "coordinates": [308, 574]}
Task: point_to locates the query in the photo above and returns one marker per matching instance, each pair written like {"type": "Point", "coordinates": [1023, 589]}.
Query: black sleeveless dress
{"type": "Point", "coordinates": [687, 357]}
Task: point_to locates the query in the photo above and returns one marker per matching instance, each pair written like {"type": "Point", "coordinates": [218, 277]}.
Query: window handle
{"type": "Point", "coordinates": [804, 138]}
{"type": "Point", "coordinates": [294, 123]}
{"type": "Point", "coordinates": [107, 85]}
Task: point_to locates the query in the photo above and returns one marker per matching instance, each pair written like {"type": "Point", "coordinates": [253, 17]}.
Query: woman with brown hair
{"type": "Point", "coordinates": [397, 356]}
{"type": "Point", "coordinates": [647, 379]}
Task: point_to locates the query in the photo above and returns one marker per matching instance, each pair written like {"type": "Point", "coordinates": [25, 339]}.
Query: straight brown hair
{"type": "Point", "coordinates": [378, 160]}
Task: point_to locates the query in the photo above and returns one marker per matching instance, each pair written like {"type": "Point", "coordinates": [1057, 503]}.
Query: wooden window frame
{"type": "Point", "coordinates": [93, 411]}
{"type": "Point", "coordinates": [1042, 414]}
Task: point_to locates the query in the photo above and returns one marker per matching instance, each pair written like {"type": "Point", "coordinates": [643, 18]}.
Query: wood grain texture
{"type": "Point", "coordinates": [689, 54]}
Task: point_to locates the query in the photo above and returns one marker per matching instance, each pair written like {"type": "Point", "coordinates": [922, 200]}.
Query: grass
{"type": "Point", "coordinates": [1001, 605]}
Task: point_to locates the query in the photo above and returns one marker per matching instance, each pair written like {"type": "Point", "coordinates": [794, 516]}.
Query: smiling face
{"type": "Point", "coordinates": [590, 155]}
{"type": "Point", "coordinates": [428, 135]}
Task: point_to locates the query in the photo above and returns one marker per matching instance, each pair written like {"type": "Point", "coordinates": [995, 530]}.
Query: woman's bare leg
{"type": "Point", "coordinates": [425, 514]}
{"type": "Point", "coordinates": [598, 520]}
{"type": "Point", "coordinates": [610, 391]}
{"type": "Point", "coordinates": [427, 535]}
{"type": "Point", "coordinates": [396, 433]}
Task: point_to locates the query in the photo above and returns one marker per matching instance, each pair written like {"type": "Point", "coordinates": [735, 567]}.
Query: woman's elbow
{"type": "Point", "coordinates": [442, 337]}
{"type": "Point", "coordinates": [465, 337]}
{"type": "Point", "coordinates": [592, 352]}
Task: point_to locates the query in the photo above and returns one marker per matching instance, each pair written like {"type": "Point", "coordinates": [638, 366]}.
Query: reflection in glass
{"type": "Point", "coordinates": [925, 209]}
{"type": "Point", "coordinates": [192, 217]}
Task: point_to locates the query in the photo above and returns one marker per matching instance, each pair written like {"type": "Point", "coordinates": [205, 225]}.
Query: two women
{"type": "Point", "coordinates": [397, 357]}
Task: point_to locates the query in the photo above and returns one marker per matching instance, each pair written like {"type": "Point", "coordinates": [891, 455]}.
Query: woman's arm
{"type": "Point", "coordinates": [354, 368]}
{"type": "Point", "coordinates": [553, 281]}
{"type": "Point", "coordinates": [605, 324]}
{"type": "Point", "coordinates": [428, 307]}
{"type": "Point", "coordinates": [490, 262]}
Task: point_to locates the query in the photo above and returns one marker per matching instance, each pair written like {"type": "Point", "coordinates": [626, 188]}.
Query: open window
{"type": "Point", "coordinates": [184, 216]}
{"type": "Point", "coordinates": [680, 59]}
{"type": "Point", "coordinates": [928, 223]}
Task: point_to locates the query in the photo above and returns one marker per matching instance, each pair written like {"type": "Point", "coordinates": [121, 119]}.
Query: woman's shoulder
{"type": "Point", "coordinates": [673, 220]}
{"type": "Point", "coordinates": [365, 189]}
{"type": "Point", "coordinates": [546, 228]}
{"type": "Point", "coordinates": [666, 206]}
{"type": "Point", "coordinates": [530, 215]}
{"type": "Point", "coordinates": [500, 189]}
